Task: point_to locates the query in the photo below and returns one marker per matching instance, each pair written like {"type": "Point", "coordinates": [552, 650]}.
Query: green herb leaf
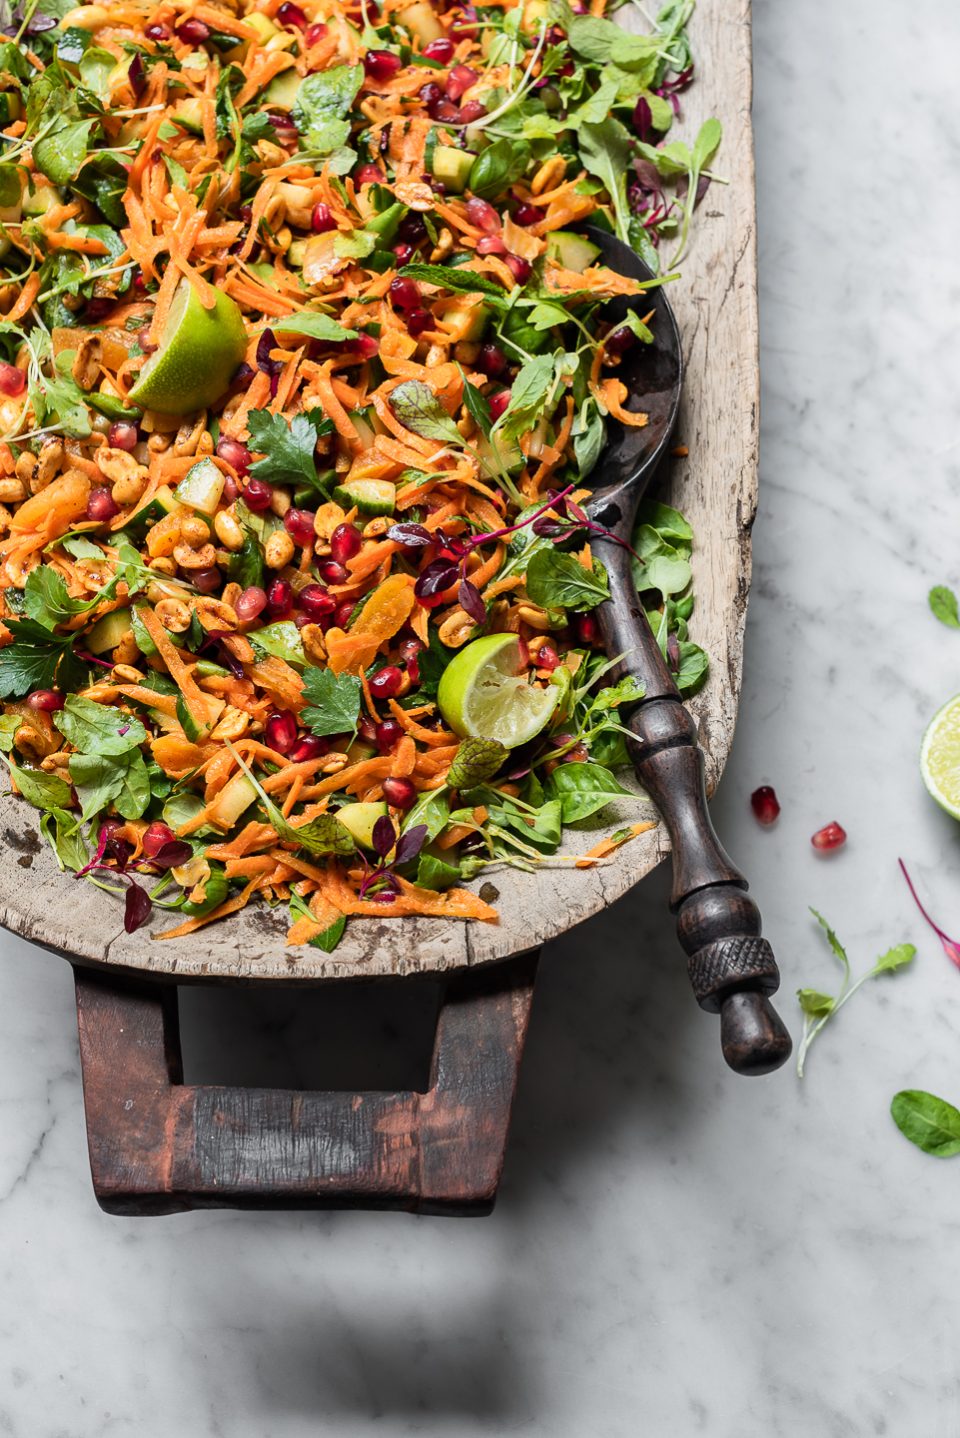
{"type": "Point", "coordinates": [927, 1121]}
{"type": "Point", "coordinates": [60, 154]}
{"type": "Point", "coordinates": [476, 761]}
{"type": "Point", "coordinates": [33, 659]}
{"type": "Point", "coordinates": [246, 564]}
{"type": "Point", "coordinates": [282, 640]}
{"type": "Point", "coordinates": [432, 810]}
{"type": "Point", "coordinates": [323, 102]}
{"type": "Point", "coordinates": [9, 724]}
{"type": "Point", "coordinates": [435, 873]}
{"type": "Point", "coordinates": [896, 958]}
{"type": "Point", "coordinates": [98, 729]}
{"type": "Point", "coordinates": [498, 166]}
{"type": "Point", "coordinates": [839, 951]}
{"type": "Point", "coordinates": [330, 937]}
{"type": "Point", "coordinates": [288, 449]}
{"type": "Point", "coordinates": [417, 408]}
{"type": "Point", "coordinates": [585, 789]}
{"type": "Point", "coordinates": [815, 1004]}
{"type": "Point", "coordinates": [314, 326]}
{"type": "Point", "coordinates": [559, 581]}
{"type": "Point", "coordinates": [62, 830]}
{"type": "Point", "coordinates": [102, 780]}
{"type": "Point", "coordinates": [42, 790]}
{"type": "Point", "coordinates": [605, 151]}
{"type": "Point", "coordinates": [943, 604]}
{"type": "Point", "coordinates": [456, 278]}
{"type": "Point", "coordinates": [332, 702]}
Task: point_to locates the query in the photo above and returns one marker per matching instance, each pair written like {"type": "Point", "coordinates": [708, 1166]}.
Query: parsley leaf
{"type": "Point", "coordinates": [333, 702]}
{"type": "Point", "coordinates": [287, 449]}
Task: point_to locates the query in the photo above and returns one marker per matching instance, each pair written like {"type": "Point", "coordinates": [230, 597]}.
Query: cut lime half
{"type": "Point", "coordinates": [483, 694]}
{"type": "Point", "coordinates": [940, 756]}
{"type": "Point", "coordinates": [198, 354]}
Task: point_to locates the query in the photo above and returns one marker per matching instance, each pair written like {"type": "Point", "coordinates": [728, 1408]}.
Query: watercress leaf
{"type": "Point", "coordinates": [287, 449]}
{"type": "Point", "coordinates": [585, 789]}
{"type": "Point", "coordinates": [927, 1121]}
{"type": "Point", "coordinates": [896, 958]}
{"type": "Point", "coordinates": [815, 1004]}
{"type": "Point", "coordinates": [42, 790]}
{"type": "Point", "coordinates": [314, 326]}
{"type": "Point", "coordinates": [459, 279]}
{"type": "Point", "coordinates": [666, 572]}
{"type": "Point", "coordinates": [332, 702]}
{"type": "Point", "coordinates": [668, 523]}
{"type": "Point", "coordinates": [62, 831]}
{"type": "Point", "coordinates": [78, 547]}
{"type": "Point", "coordinates": [282, 640]}
{"type": "Point", "coordinates": [556, 580]}
{"type": "Point", "coordinates": [546, 314]}
{"type": "Point", "coordinates": [323, 102]}
{"type": "Point", "coordinates": [98, 729]}
{"type": "Point", "coordinates": [943, 604]}
{"type": "Point", "coordinates": [417, 408]}
{"type": "Point", "coordinates": [476, 761]}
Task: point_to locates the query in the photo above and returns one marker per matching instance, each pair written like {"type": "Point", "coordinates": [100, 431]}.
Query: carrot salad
{"type": "Point", "coordinates": [304, 365]}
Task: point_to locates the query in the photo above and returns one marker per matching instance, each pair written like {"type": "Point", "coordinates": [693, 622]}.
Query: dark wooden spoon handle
{"type": "Point", "coordinates": [732, 969]}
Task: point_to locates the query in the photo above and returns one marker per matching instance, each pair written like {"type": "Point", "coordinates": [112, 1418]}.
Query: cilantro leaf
{"type": "Point", "coordinates": [287, 449]}
{"type": "Point", "coordinates": [333, 702]}
{"type": "Point", "coordinates": [323, 102]}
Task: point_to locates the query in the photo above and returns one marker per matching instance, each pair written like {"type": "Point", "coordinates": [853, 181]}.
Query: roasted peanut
{"type": "Point", "coordinates": [278, 550]}
{"type": "Point", "coordinates": [311, 636]}
{"type": "Point", "coordinates": [194, 531]}
{"type": "Point", "coordinates": [232, 724]}
{"type": "Point", "coordinates": [174, 615]}
{"type": "Point", "coordinates": [128, 491]}
{"type": "Point", "coordinates": [228, 531]}
{"type": "Point", "coordinates": [187, 558]}
{"type": "Point", "coordinates": [12, 490]}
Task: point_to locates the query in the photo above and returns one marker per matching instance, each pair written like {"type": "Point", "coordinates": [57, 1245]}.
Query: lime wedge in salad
{"type": "Point", "coordinates": [484, 695]}
{"type": "Point", "coordinates": [940, 756]}
{"type": "Point", "coordinates": [197, 357]}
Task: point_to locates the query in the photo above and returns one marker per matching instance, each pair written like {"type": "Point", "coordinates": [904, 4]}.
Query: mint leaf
{"type": "Point", "coordinates": [314, 326]}
{"type": "Point", "coordinates": [97, 729]}
{"type": "Point", "coordinates": [333, 702]}
{"type": "Point", "coordinates": [456, 278]}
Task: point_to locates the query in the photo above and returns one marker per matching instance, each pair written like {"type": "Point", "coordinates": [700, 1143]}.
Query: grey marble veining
{"type": "Point", "coordinates": [676, 1252]}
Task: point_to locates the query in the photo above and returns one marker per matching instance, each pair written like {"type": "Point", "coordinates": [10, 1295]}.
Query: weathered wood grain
{"type": "Point", "coordinates": [715, 303]}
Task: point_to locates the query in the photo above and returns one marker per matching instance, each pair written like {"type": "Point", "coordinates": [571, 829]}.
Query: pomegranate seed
{"type": "Point", "coordinates": [441, 50]}
{"type": "Point", "coordinates": [619, 342]}
{"type": "Point", "coordinates": [46, 701]}
{"type": "Point", "coordinates": [315, 34]}
{"type": "Point", "coordinates": [403, 252]}
{"type": "Point", "coordinates": [547, 657]}
{"type": "Point", "coordinates": [345, 542]}
{"type": "Point", "coordinates": [431, 96]}
{"type": "Point", "coordinates": [364, 345]}
{"type": "Point", "coordinates": [331, 572]}
{"type": "Point", "coordinates": [193, 32]}
{"type": "Point", "coordinates": [13, 381]}
{"type": "Point", "coordinates": [388, 735]}
{"type": "Point", "coordinates": [316, 602]}
{"type": "Point", "coordinates": [381, 65]}
{"type": "Point", "coordinates": [527, 214]}
{"type": "Point", "coordinates": [498, 403]}
{"type": "Point", "coordinates": [588, 631]}
{"type": "Point", "coordinates": [123, 435]}
{"type": "Point", "coordinates": [310, 747]}
{"type": "Point", "coordinates": [831, 836]}
{"type": "Point", "coordinates": [386, 683]}
{"type": "Point", "coordinates": [157, 32]}
{"type": "Point", "coordinates": [155, 836]}
{"type": "Point", "coordinates": [232, 452]}
{"type": "Point", "coordinates": [367, 729]}
{"type": "Point", "coordinates": [257, 495]}
{"type": "Point", "coordinates": [321, 219]}
{"type": "Point", "coordinates": [446, 111]}
{"type": "Point", "coordinates": [231, 490]}
{"type": "Point", "coordinates": [291, 16]}
{"type": "Point", "coordinates": [459, 80]}
{"type": "Point", "coordinates": [280, 731]}
{"type": "Point", "coordinates": [491, 361]}
{"type": "Point", "coordinates": [519, 268]}
{"type": "Point", "coordinates": [110, 829]}
{"type": "Point", "coordinates": [299, 525]}
{"type": "Point", "coordinates": [465, 21]}
{"type": "Point", "coordinates": [765, 804]}
{"type": "Point", "coordinates": [482, 214]}
{"type": "Point", "coordinates": [101, 505]}
{"type": "Point", "coordinates": [405, 293]}
{"type": "Point", "coordinates": [491, 245]}
{"type": "Point", "coordinates": [206, 581]}
{"type": "Point", "coordinates": [250, 604]}
{"type": "Point", "coordinates": [399, 792]}
{"type": "Point", "coordinates": [344, 613]}
{"type": "Point", "coordinates": [98, 308]}
{"type": "Point", "coordinates": [279, 598]}
{"type": "Point", "coordinates": [471, 112]}
{"type": "Point", "coordinates": [369, 175]}
{"type": "Point", "coordinates": [418, 321]}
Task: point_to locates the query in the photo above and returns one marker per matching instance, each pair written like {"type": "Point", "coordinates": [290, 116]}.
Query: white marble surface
{"type": "Point", "coordinates": [676, 1251]}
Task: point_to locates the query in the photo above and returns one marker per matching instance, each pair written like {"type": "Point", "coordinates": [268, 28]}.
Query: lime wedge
{"type": "Point", "coordinates": [483, 695]}
{"type": "Point", "coordinates": [940, 756]}
{"type": "Point", "coordinates": [197, 357]}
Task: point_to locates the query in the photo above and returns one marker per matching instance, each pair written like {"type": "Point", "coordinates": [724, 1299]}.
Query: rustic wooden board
{"type": "Point", "coordinates": [716, 307]}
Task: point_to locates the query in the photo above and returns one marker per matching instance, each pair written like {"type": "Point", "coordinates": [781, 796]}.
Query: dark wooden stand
{"type": "Point", "coordinates": [158, 1145]}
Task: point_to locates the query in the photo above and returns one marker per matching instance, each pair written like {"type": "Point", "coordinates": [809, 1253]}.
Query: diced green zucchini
{"type": "Point", "coordinates": [201, 487]}
{"type": "Point", "coordinates": [234, 799]}
{"type": "Point", "coordinates": [452, 166]}
{"type": "Point", "coordinates": [496, 454]}
{"type": "Point", "coordinates": [359, 820]}
{"type": "Point", "coordinates": [361, 420]}
{"type": "Point", "coordinates": [574, 252]}
{"type": "Point", "coordinates": [295, 251]}
{"type": "Point", "coordinates": [263, 25]}
{"type": "Point", "coordinates": [371, 496]}
{"type": "Point", "coordinates": [195, 732]}
{"type": "Point", "coordinates": [282, 90]}
{"type": "Point", "coordinates": [164, 722]}
{"type": "Point", "coordinates": [40, 200]}
{"type": "Point", "coordinates": [163, 502]}
{"type": "Point", "coordinates": [11, 107]}
{"type": "Point", "coordinates": [189, 115]}
{"type": "Point", "coordinates": [107, 633]}
{"type": "Point", "coordinates": [196, 60]}
{"type": "Point", "coordinates": [465, 320]}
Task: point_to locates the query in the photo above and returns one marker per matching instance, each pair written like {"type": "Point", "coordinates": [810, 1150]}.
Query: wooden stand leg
{"type": "Point", "coordinates": [158, 1145]}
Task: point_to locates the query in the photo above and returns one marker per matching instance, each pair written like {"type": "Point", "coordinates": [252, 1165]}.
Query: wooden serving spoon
{"type": "Point", "coordinates": [732, 969]}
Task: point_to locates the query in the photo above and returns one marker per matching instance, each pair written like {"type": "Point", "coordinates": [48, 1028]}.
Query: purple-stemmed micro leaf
{"type": "Point", "coordinates": [410, 844]}
{"type": "Point", "coordinates": [438, 576]}
{"type": "Point", "coordinates": [411, 536]}
{"type": "Point", "coordinates": [950, 947]}
{"type": "Point", "coordinates": [673, 653]}
{"type": "Point", "coordinates": [471, 601]}
{"type": "Point", "coordinates": [547, 528]}
{"type": "Point", "coordinates": [137, 76]}
{"type": "Point", "coordinates": [272, 367]}
{"type": "Point", "coordinates": [172, 855]}
{"type": "Point", "coordinates": [136, 907]}
{"type": "Point", "coordinates": [384, 836]}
